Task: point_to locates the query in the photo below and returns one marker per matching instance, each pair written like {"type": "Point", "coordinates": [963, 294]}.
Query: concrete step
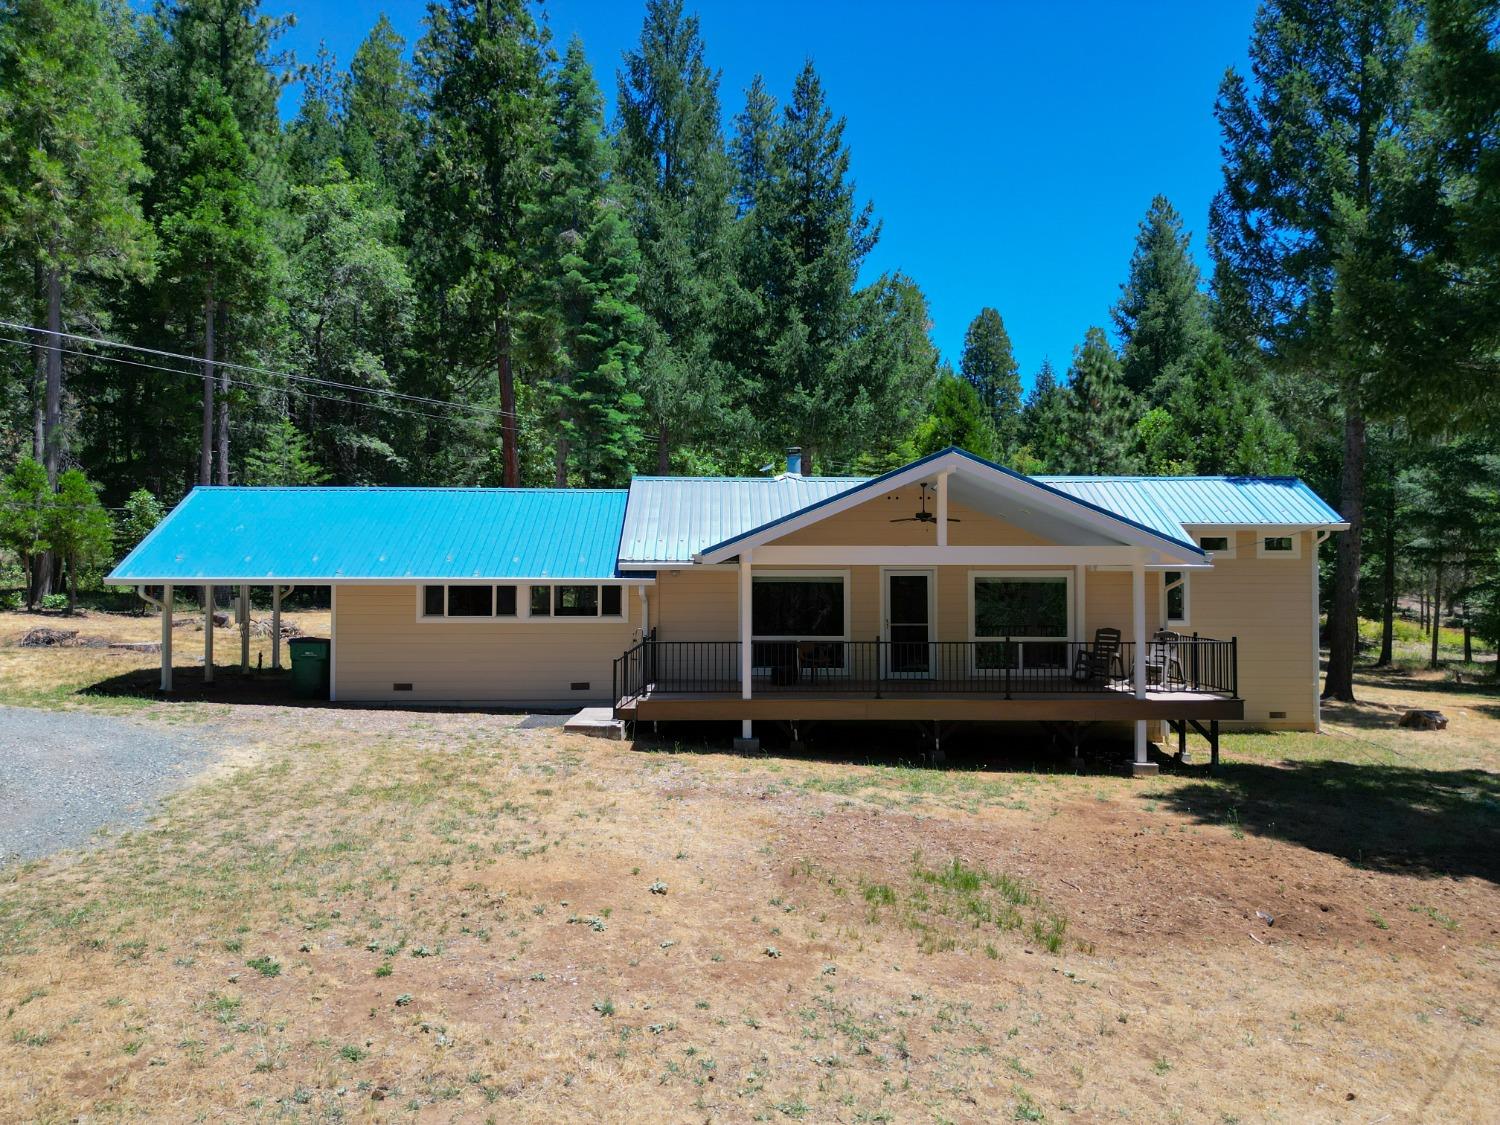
{"type": "Point", "coordinates": [597, 722]}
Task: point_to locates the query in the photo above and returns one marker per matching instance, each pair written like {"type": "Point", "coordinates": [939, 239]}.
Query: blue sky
{"type": "Point", "coordinates": [1010, 149]}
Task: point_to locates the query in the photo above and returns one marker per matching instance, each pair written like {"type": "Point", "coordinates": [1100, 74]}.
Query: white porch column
{"type": "Point", "coordinates": [1140, 763]}
{"type": "Point", "coordinates": [746, 653]}
{"type": "Point", "coordinates": [1138, 625]}
{"type": "Point", "coordinates": [166, 637]}
{"type": "Point", "coordinates": [244, 614]}
{"type": "Point", "coordinates": [1080, 603]}
{"type": "Point", "coordinates": [746, 740]}
{"type": "Point", "coordinates": [208, 634]}
{"type": "Point", "coordinates": [942, 509]}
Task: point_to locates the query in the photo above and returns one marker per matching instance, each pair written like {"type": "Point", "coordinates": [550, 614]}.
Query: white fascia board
{"type": "Point", "coordinates": [959, 556]}
{"type": "Point", "coordinates": [1068, 507]}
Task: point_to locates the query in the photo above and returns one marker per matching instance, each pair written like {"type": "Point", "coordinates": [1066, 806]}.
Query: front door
{"type": "Point", "coordinates": [908, 623]}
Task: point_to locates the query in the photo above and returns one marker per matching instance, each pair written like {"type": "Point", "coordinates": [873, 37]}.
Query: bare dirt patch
{"type": "Point", "coordinates": [458, 916]}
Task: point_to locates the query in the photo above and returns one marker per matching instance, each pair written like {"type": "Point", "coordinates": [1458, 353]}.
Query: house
{"type": "Point", "coordinates": [950, 589]}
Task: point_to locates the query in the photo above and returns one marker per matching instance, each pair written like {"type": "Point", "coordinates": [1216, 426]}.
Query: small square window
{"type": "Point", "coordinates": [576, 601]}
{"type": "Point", "coordinates": [541, 601]}
{"type": "Point", "coordinates": [1278, 544]}
{"type": "Point", "coordinates": [471, 601]}
{"type": "Point", "coordinates": [505, 601]}
{"type": "Point", "coordinates": [432, 601]}
{"type": "Point", "coordinates": [610, 601]}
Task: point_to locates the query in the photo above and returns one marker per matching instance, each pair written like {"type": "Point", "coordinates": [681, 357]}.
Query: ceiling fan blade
{"type": "Point", "coordinates": [907, 519]}
{"type": "Point", "coordinates": [954, 519]}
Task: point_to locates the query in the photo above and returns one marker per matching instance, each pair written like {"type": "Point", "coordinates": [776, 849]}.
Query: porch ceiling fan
{"type": "Point", "coordinates": [923, 515]}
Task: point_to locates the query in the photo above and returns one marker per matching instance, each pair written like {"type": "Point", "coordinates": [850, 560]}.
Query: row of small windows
{"type": "Point", "coordinates": [504, 601]}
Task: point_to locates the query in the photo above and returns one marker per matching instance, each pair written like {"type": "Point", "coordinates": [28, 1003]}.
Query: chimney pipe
{"type": "Point", "coordinates": [794, 460]}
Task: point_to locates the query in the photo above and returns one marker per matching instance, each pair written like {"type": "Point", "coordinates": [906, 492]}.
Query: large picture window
{"type": "Point", "coordinates": [798, 606]}
{"type": "Point", "coordinates": [1030, 610]}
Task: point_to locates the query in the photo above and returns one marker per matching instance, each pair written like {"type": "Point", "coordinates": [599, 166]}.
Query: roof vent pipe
{"type": "Point", "coordinates": [794, 460]}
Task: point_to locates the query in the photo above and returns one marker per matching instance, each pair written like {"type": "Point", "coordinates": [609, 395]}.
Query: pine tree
{"type": "Point", "coordinates": [68, 162]}
{"type": "Point", "coordinates": [379, 113]}
{"type": "Point", "coordinates": [990, 365]}
{"type": "Point", "coordinates": [599, 329]}
{"type": "Point", "coordinates": [1043, 419]}
{"type": "Point", "coordinates": [314, 139]}
{"type": "Point", "coordinates": [480, 66]}
{"type": "Point", "coordinates": [217, 250]}
{"type": "Point", "coordinates": [141, 514]}
{"type": "Point", "coordinates": [284, 459]}
{"type": "Point", "coordinates": [1098, 411]}
{"type": "Point", "coordinates": [25, 499]}
{"type": "Point", "coordinates": [1213, 422]}
{"type": "Point", "coordinates": [672, 159]}
{"type": "Point", "coordinates": [1161, 318]}
{"type": "Point", "coordinates": [1313, 217]}
{"type": "Point", "coordinates": [350, 308]}
{"type": "Point", "coordinates": [79, 529]}
{"type": "Point", "coordinates": [816, 238]}
{"type": "Point", "coordinates": [957, 417]}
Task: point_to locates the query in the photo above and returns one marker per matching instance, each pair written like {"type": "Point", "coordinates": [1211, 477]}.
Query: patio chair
{"type": "Point", "coordinates": [1098, 661]}
{"type": "Point", "coordinates": [816, 656]}
{"type": "Point", "coordinates": [1164, 659]}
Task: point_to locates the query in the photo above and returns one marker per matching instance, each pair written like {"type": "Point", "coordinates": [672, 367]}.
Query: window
{"type": "Point", "coordinates": [1023, 608]}
{"type": "Point", "coordinates": [467, 602]}
{"type": "Point", "coordinates": [575, 600]}
{"type": "Point", "coordinates": [541, 601]}
{"type": "Point", "coordinates": [1176, 591]}
{"type": "Point", "coordinates": [1279, 547]}
{"type": "Point", "coordinates": [1220, 546]}
{"type": "Point", "coordinates": [797, 606]}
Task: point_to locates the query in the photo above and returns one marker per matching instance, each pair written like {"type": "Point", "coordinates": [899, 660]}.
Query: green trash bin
{"type": "Point", "coordinates": [310, 667]}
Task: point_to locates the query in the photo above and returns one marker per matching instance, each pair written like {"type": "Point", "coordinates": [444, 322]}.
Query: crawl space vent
{"type": "Point", "coordinates": [401, 687]}
{"type": "Point", "coordinates": [1278, 714]}
{"type": "Point", "coordinates": [579, 685]}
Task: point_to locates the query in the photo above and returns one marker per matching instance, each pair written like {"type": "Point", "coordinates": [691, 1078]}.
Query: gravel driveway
{"type": "Point", "coordinates": [65, 775]}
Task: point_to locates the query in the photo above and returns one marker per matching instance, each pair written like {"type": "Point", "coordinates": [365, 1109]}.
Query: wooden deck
{"type": "Point", "coordinates": [896, 703]}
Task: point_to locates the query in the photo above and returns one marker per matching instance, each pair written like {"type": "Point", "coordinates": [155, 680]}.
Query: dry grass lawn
{"type": "Point", "coordinates": [391, 915]}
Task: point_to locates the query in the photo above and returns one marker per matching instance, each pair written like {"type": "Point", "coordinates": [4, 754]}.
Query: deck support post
{"type": "Point", "coordinates": [208, 634]}
{"type": "Point", "coordinates": [244, 616]}
{"type": "Point", "coordinates": [166, 637]}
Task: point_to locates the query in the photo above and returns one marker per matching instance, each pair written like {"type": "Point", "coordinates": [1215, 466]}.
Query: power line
{"type": "Point", "coordinates": [288, 375]}
{"type": "Point", "coordinates": [234, 382]}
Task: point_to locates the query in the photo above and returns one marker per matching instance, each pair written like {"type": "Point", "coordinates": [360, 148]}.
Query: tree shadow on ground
{"type": "Point", "coordinates": [1391, 818]}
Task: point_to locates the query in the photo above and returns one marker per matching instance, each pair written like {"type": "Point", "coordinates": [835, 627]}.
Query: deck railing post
{"type": "Point", "coordinates": [1234, 667]}
{"type": "Point", "coordinates": [1005, 659]}
{"type": "Point", "coordinates": [878, 663]}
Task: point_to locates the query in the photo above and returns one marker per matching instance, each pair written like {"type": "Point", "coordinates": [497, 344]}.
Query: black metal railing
{"type": "Point", "coordinates": [1006, 667]}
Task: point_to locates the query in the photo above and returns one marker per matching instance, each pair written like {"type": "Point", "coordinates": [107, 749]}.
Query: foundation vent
{"type": "Point", "coordinates": [580, 685]}
{"type": "Point", "coordinates": [401, 687]}
{"type": "Point", "coordinates": [1278, 714]}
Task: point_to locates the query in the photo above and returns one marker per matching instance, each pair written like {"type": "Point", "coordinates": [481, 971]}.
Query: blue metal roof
{"type": "Point", "coordinates": [669, 519]}
{"type": "Point", "coordinates": [352, 534]}
{"type": "Point", "coordinates": [1205, 501]}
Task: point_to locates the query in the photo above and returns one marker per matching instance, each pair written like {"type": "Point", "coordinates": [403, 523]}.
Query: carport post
{"type": "Point", "coordinates": [276, 626]}
{"type": "Point", "coordinates": [244, 628]}
{"type": "Point", "coordinates": [208, 634]}
{"type": "Point", "coordinates": [166, 637]}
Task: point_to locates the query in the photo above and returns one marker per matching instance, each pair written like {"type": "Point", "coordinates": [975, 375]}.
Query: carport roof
{"type": "Point", "coordinates": [321, 536]}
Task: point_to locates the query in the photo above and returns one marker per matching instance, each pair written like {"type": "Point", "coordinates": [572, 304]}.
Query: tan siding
{"type": "Point", "coordinates": [696, 605]}
{"type": "Point", "coordinates": [1107, 603]}
{"type": "Point", "coordinates": [869, 524]}
{"type": "Point", "coordinates": [380, 642]}
{"type": "Point", "coordinates": [1268, 605]}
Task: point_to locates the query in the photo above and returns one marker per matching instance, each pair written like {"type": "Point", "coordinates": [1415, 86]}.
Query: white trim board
{"type": "Point", "coordinates": [1059, 503]}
